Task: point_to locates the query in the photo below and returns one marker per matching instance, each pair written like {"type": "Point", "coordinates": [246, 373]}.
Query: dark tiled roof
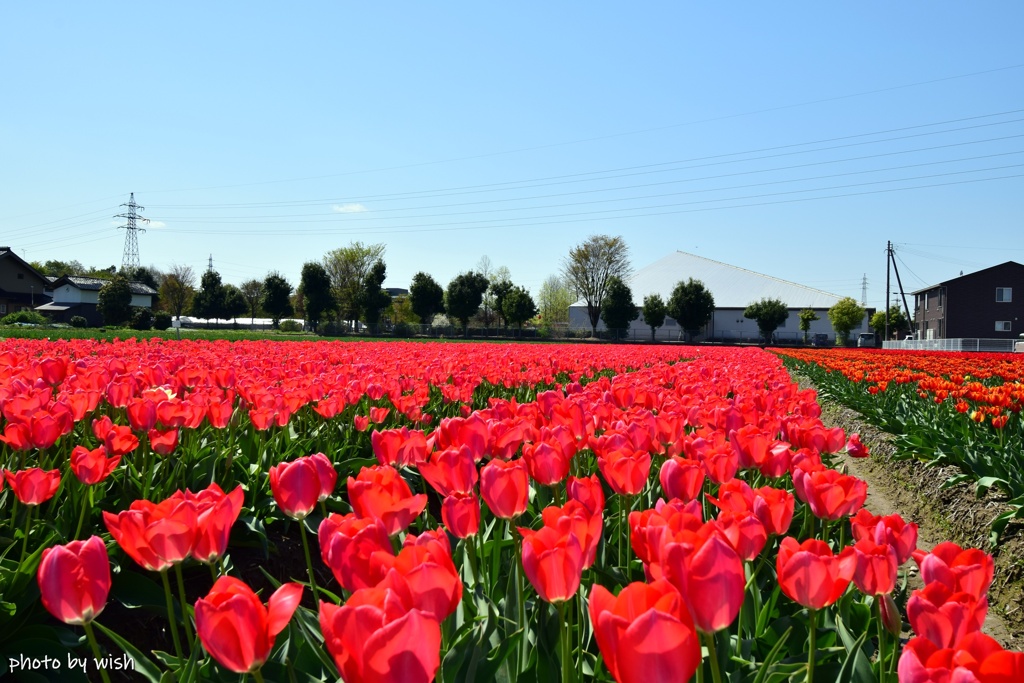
{"type": "Point", "coordinates": [95, 284]}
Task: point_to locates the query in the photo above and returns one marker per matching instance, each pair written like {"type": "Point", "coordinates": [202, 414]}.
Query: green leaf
{"type": "Point", "coordinates": [985, 483]}
{"type": "Point", "coordinates": [857, 663]}
{"type": "Point", "coordinates": [143, 665]}
{"type": "Point", "coordinates": [860, 666]}
{"type": "Point", "coordinates": [772, 656]}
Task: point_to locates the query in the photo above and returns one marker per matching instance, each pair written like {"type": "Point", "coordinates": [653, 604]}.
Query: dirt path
{"type": "Point", "coordinates": [915, 491]}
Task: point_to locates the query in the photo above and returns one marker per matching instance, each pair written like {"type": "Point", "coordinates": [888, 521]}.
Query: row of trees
{"type": "Point", "coordinates": [597, 269]}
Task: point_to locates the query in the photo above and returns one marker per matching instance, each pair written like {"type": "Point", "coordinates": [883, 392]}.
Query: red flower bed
{"type": "Point", "coordinates": [647, 514]}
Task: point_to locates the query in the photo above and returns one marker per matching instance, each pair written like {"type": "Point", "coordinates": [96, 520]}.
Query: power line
{"type": "Point", "coordinates": [565, 179]}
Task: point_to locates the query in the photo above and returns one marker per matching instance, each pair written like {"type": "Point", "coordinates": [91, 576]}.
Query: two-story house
{"type": "Point", "coordinates": [987, 304]}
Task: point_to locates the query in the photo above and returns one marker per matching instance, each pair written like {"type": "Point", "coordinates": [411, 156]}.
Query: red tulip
{"type": "Point", "coordinates": [810, 574]}
{"type": "Point", "coordinates": [236, 629]}
{"type": "Point", "coordinates": [356, 550]}
{"type": "Point", "coordinates": [33, 486]}
{"type": "Point", "coordinates": [944, 617]}
{"type": "Point", "coordinates": [876, 568]}
{"type": "Point", "coordinates": [969, 570]}
{"type": "Point", "coordinates": [425, 562]}
{"type": "Point", "coordinates": [708, 573]}
{"type": "Point", "coordinates": [854, 447]}
{"type": "Point", "coordinates": [774, 507]}
{"type": "Point", "coordinates": [141, 414]}
{"type": "Point", "coordinates": [298, 485]}
{"type": "Point", "coordinates": [381, 492]}
{"type": "Point", "coordinates": [681, 478]}
{"type": "Point", "coordinates": [74, 580]}
{"type": "Point", "coordinates": [92, 467]}
{"type": "Point", "coordinates": [452, 470]}
{"type": "Point", "coordinates": [976, 657]}
{"type": "Point", "coordinates": [505, 487]}
{"type": "Point", "coordinates": [646, 634]}
{"type": "Point", "coordinates": [460, 513]}
{"type": "Point", "coordinates": [744, 531]}
{"type": "Point", "coordinates": [216, 513]}
{"type": "Point", "coordinates": [891, 530]}
{"type": "Point", "coordinates": [830, 494]}
{"type": "Point", "coordinates": [548, 464]}
{"type": "Point", "coordinates": [378, 636]}
{"type": "Point", "coordinates": [553, 562]}
{"type": "Point", "coordinates": [156, 536]}
{"type": "Point", "coordinates": [361, 422]}
{"type": "Point", "coordinates": [587, 491]}
{"type": "Point", "coordinates": [399, 447]}
{"type": "Point", "coordinates": [163, 441]}
{"type": "Point", "coordinates": [120, 440]}
{"type": "Point", "coordinates": [574, 518]}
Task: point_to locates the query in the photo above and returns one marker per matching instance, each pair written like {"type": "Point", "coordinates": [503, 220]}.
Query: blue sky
{"type": "Point", "coordinates": [792, 139]}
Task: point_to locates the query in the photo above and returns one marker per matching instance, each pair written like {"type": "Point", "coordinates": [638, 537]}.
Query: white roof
{"type": "Point", "coordinates": [731, 286]}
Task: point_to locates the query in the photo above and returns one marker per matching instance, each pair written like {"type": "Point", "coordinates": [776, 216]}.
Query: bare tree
{"type": "Point", "coordinates": [590, 265]}
{"type": "Point", "coordinates": [177, 288]}
{"type": "Point", "coordinates": [252, 290]}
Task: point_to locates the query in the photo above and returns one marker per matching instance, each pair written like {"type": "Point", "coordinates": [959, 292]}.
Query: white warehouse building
{"type": "Point", "coordinates": [733, 289]}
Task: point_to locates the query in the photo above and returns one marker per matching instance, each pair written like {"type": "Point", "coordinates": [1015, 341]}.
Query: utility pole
{"type": "Point", "coordinates": [864, 290]}
{"type": "Point", "coordinates": [888, 255]}
{"type": "Point", "coordinates": [130, 260]}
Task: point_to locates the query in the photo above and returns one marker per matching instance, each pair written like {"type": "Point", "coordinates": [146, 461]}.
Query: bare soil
{"type": "Point", "coordinates": [916, 491]}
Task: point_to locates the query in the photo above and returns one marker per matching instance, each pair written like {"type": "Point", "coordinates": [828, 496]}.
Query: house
{"type": "Point", "coordinates": [986, 304]}
{"type": "Point", "coordinates": [733, 289]}
{"type": "Point", "coordinates": [78, 295]}
{"type": "Point", "coordinates": [22, 287]}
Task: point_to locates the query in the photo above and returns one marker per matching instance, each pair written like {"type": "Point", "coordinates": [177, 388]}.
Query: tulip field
{"type": "Point", "coordinates": [405, 512]}
{"type": "Point", "coordinates": [976, 397]}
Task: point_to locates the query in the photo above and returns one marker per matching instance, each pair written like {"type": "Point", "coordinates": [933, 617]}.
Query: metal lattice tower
{"type": "Point", "coordinates": [864, 290]}
{"type": "Point", "coordinates": [130, 260]}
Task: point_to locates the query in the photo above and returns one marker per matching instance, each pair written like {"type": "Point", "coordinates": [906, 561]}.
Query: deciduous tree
{"type": "Point", "coordinates": [252, 290]}
{"type": "Point", "coordinates": [426, 297]}
{"type": "Point", "coordinates": [807, 316]}
{"type": "Point", "coordinates": [317, 297]}
{"type": "Point", "coordinates": [276, 299]}
{"type": "Point", "coordinates": [845, 316]}
{"type": "Point", "coordinates": [234, 302]}
{"type": "Point", "coordinates": [898, 323]}
{"type": "Point", "coordinates": [114, 302]}
{"type": "Point", "coordinates": [463, 296]}
{"type": "Point", "coordinates": [590, 265]}
{"type": "Point", "coordinates": [373, 299]}
{"type": "Point", "coordinates": [347, 268]}
{"type": "Point", "coordinates": [654, 312]}
{"type": "Point", "coordinates": [554, 299]}
{"type": "Point", "coordinates": [177, 289]}
{"type": "Point", "coordinates": [691, 305]}
{"type": "Point", "coordinates": [518, 306]}
{"type": "Point", "coordinates": [208, 302]}
{"type": "Point", "coordinates": [769, 314]}
{"type": "Point", "coordinates": [618, 310]}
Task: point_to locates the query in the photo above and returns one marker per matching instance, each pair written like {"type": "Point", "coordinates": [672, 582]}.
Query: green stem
{"type": "Point", "coordinates": [95, 650]}
{"type": "Point", "coordinates": [309, 562]}
{"type": "Point", "coordinates": [812, 645]}
{"type": "Point", "coordinates": [258, 676]}
{"type": "Point", "coordinates": [474, 570]}
{"type": "Point", "coordinates": [24, 540]}
{"type": "Point", "coordinates": [716, 674]}
{"type": "Point", "coordinates": [86, 504]}
{"type": "Point", "coordinates": [563, 631]}
{"type": "Point", "coordinates": [183, 601]}
{"type": "Point", "coordinates": [521, 590]}
{"type": "Point", "coordinates": [170, 616]}
{"type": "Point", "coordinates": [881, 640]}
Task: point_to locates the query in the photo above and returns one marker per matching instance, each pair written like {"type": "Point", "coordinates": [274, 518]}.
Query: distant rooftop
{"type": "Point", "coordinates": [732, 287]}
{"type": "Point", "coordinates": [96, 283]}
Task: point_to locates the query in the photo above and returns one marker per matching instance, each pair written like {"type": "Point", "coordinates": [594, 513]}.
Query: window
{"type": "Point", "coordinates": [1003, 326]}
{"type": "Point", "coordinates": [3, 308]}
{"type": "Point", "coordinates": [1004, 295]}
{"type": "Point", "coordinates": [926, 302]}
{"type": "Point", "coordinates": [941, 291]}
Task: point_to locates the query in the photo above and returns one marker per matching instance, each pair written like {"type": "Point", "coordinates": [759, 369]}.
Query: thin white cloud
{"type": "Point", "coordinates": [349, 208]}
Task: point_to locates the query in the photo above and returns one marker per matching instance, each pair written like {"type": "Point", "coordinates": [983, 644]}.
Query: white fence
{"type": "Point", "coordinates": [987, 345]}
